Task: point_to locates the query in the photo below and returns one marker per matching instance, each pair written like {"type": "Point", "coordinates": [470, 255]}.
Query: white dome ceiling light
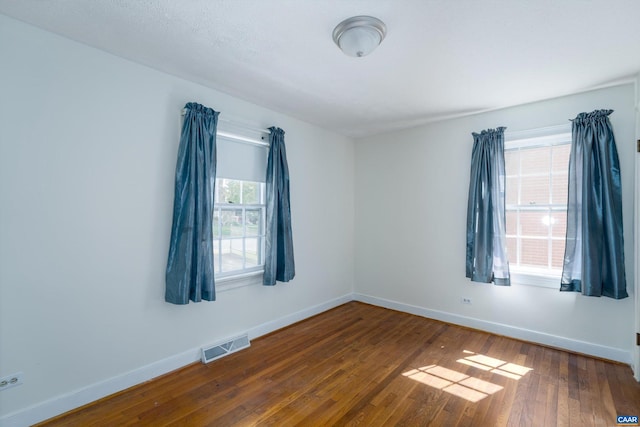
{"type": "Point", "coordinates": [360, 35]}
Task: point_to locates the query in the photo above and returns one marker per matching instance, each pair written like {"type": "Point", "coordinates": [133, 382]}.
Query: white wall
{"type": "Point", "coordinates": [88, 146]}
{"type": "Point", "coordinates": [411, 202]}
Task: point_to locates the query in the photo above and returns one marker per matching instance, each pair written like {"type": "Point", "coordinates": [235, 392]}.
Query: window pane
{"type": "Point", "coordinates": [232, 258]}
{"type": "Point", "coordinates": [229, 191]}
{"type": "Point", "coordinates": [559, 224]}
{"type": "Point", "coordinates": [216, 223]}
{"type": "Point", "coordinates": [560, 157]}
{"type": "Point", "coordinates": [537, 160]}
{"type": "Point", "coordinates": [557, 253]}
{"type": "Point", "coordinates": [254, 222]}
{"type": "Point", "coordinates": [219, 196]}
{"type": "Point", "coordinates": [535, 252]}
{"type": "Point", "coordinates": [231, 222]}
{"type": "Point", "coordinates": [511, 191]}
{"type": "Point", "coordinates": [512, 250]}
{"type": "Point", "coordinates": [237, 249]}
{"type": "Point", "coordinates": [250, 193]}
{"type": "Point", "coordinates": [560, 185]}
{"type": "Point", "coordinates": [535, 223]}
{"type": "Point", "coordinates": [252, 249]}
{"type": "Point", "coordinates": [534, 190]}
{"type": "Point", "coordinates": [512, 223]}
{"type": "Point", "coordinates": [511, 162]}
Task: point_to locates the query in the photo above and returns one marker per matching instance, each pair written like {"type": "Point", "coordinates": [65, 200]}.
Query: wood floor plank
{"type": "Point", "coordinates": [361, 365]}
{"type": "Point", "coordinates": [563, 390]}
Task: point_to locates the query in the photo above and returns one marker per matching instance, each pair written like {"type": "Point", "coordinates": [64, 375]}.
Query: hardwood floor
{"type": "Point", "coordinates": [363, 365]}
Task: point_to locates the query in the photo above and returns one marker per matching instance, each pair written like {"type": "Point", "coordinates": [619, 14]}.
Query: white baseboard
{"type": "Point", "coordinates": [610, 353]}
{"type": "Point", "coordinates": [77, 398]}
{"type": "Point", "coordinates": [290, 319]}
{"type": "Point", "coordinates": [66, 402]}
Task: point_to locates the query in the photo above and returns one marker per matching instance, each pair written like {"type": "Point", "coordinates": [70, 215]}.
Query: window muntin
{"type": "Point", "coordinates": [536, 205]}
{"type": "Point", "coordinates": [238, 227]}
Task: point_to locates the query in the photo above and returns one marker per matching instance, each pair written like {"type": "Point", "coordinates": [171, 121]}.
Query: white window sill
{"type": "Point", "coordinates": [232, 282]}
{"type": "Point", "coordinates": [542, 281]}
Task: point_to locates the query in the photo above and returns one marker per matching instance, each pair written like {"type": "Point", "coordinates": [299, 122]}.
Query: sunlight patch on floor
{"type": "Point", "coordinates": [496, 366]}
{"type": "Point", "coordinates": [463, 385]}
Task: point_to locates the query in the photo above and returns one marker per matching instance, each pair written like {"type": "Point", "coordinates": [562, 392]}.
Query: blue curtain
{"type": "Point", "coordinates": [594, 256]}
{"type": "Point", "coordinates": [279, 264]}
{"type": "Point", "coordinates": [189, 273]}
{"type": "Point", "coordinates": [486, 243]}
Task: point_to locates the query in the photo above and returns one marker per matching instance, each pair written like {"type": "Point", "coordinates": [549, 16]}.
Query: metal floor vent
{"type": "Point", "coordinates": [229, 346]}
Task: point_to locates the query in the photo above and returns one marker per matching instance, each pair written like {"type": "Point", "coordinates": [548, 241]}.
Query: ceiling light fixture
{"type": "Point", "coordinates": [359, 35]}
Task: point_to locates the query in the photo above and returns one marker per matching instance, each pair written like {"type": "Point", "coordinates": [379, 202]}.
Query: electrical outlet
{"type": "Point", "coordinates": [11, 381]}
{"type": "Point", "coordinates": [465, 300]}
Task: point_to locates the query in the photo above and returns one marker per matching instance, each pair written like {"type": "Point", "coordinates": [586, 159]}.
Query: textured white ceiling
{"type": "Point", "coordinates": [441, 58]}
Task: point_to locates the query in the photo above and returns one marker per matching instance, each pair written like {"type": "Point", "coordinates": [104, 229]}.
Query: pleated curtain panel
{"type": "Point", "coordinates": [189, 274]}
{"type": "Point", "coordinates": [279, 261]}
{"type": "Point", "coordinates": [594, 256]}
{"type": "Point", "coordinates": [486, 259]}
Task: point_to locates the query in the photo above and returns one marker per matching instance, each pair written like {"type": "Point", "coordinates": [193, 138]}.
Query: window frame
{"type": "Point", "coordinates": [543, 137]}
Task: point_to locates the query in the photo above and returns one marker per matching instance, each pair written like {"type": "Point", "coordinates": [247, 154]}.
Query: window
{"type": "Point", "coordinates": [238, 228]}
{"type": "Point", "coordinates": [536, 205]}
{"type": "Point", "coordinates": [239, 205]}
